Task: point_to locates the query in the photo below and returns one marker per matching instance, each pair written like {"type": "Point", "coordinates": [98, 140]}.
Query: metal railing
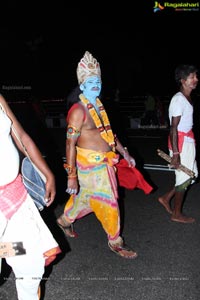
{"type": "Point", "coordinates": [131, 107]}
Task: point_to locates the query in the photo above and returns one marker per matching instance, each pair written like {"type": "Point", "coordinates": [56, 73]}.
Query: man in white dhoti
{"type": "Point", "coordinates": [181, 141]}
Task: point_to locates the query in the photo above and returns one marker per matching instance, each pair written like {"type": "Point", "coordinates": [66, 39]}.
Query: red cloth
{"type": "Point", "coordinates": [12, 196]}
{"type": "Point", "coordinates": [181, 136]}
{"type": "Point", "coordinates": [131, 178]}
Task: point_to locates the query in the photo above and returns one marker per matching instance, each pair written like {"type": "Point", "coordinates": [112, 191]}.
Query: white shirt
{"type": "Point", "coordinates": [180, 106]}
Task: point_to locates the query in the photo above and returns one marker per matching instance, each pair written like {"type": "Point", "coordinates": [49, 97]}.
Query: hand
{"type": "Point", "coordinates": [132, 162]}
{"type": "Point", "coordinates": [72, 187]}
{"type": "Point", "coordinates": [71, 191]}
{"type": "Point", "coordinates": [50, 191]}
{"type": "Point", "coordinates": [175, 162]}
{"type": "Point", "coordinates": [129, 159]}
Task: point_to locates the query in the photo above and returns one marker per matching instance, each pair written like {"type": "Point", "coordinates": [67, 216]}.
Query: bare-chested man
{"type": "Point", "coordinates": [181, 141]}
{"type": "Point", "coordinates": [92, 150]}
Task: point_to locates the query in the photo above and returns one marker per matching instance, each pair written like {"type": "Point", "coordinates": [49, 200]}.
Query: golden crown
{"type": "Point", "coordinates": [87, 67]}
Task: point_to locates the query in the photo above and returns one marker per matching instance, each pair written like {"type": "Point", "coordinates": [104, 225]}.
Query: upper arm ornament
{"type": "Point", "coordinates": [72, 132]}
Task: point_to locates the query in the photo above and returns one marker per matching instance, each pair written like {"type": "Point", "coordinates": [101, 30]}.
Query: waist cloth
{"type": "Point", "coordinates": [25, 223]}
{"type": "Point", "coordinates": [187, 149]}
{"type": "Point", "coordinates": [12, 195]}
{"type": "Point", "coordinates": [181, 138]}
{"type": "Point", "coordinates": [97, 190]}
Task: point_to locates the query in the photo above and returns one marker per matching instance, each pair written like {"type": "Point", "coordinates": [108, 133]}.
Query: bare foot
{"type": "Point", "coordinates": [165, 204]}
{"type": "Point", "coordinates": [182, 219]}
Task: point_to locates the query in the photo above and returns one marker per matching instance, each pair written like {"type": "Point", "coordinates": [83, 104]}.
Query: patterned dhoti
{"type": "Point", "coordinates": [98, 190]}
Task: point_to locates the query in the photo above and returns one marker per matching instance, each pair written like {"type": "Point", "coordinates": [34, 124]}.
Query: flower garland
{"type": "Point", "coordinates": [104, 125]}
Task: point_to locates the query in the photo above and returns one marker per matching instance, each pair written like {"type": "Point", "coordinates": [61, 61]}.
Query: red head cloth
{"type": "Point", "coordinates": [131, 178]}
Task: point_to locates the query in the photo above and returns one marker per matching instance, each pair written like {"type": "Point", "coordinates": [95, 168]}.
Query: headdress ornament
{"type": "Point", "coordinates": [87, 67]}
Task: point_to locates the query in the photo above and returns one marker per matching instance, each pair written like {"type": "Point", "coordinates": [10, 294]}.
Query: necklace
{"type": "Point", "coordinates": [102, 124]}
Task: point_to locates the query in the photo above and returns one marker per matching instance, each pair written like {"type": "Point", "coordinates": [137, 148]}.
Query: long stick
{"type": "Point", "coordinates": [181, 167]}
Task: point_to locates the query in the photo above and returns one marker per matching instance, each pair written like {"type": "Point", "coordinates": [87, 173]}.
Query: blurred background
{"type": "Point", "coordinates": [138, 46]}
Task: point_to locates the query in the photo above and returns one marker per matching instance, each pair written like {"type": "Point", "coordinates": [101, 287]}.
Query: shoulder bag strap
{"type": "Point", "coordinates": [24, 148]}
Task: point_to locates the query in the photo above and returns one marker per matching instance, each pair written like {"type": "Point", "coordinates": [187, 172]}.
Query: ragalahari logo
{"type": "Point", "coordinates": [177, 6]}
{"type": "Point", "coordinates": [157, 7]}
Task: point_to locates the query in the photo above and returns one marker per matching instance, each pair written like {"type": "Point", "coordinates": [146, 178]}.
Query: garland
{"type": "Point", "coordinates": [102, 124]}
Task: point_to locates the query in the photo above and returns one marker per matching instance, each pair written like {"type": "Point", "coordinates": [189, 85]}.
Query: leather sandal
{"type": "Point", "coordinates": [67, 229]}
{"type": "Point", "coordinates": [122, 250]}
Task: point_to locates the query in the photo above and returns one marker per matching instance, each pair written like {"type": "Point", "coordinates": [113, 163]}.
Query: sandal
{"type": "Point", "coordinates": [67, 229]}
{"type": "Point", "coordinates": [122, 250]}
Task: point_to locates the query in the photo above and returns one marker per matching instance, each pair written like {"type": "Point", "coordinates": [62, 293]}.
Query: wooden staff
{"type": "Point", "coordinates": [181, 167]}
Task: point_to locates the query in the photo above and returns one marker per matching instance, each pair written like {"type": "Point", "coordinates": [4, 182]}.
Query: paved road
{"type": "Point", "coordinates": [167, 266]}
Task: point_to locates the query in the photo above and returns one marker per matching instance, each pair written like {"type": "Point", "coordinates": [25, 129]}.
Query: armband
{"type": "Point", "coordinates": [72, 132]}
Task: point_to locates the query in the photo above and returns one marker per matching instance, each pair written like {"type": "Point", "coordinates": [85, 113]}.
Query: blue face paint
{"type": "Point", "coordinates": [91, 88]}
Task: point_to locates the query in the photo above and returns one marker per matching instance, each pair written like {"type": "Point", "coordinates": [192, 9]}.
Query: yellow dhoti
{"type": "Point", "coordinates": [98, 190]}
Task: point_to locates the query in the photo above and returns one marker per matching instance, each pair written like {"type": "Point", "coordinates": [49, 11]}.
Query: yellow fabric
{"type": "Point", "coordinates": [98, 190]}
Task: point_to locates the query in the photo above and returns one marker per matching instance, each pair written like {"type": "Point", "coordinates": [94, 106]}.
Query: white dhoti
{"type": "Point", "coordinates": [188, 159]}
{"type": "Point", "coordinates": [27, 226]}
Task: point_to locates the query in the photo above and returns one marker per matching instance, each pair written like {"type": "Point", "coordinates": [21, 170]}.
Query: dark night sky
{"type": "Point", "coordinates": [138, 49]}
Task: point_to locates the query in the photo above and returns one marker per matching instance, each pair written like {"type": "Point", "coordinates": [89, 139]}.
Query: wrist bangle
{"type": "Point", "coordinates": [176, 153]}
{"type": "Point", "coordinates": [69, 169]}
{"type": "Point", "coordinates": [72, 176]}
